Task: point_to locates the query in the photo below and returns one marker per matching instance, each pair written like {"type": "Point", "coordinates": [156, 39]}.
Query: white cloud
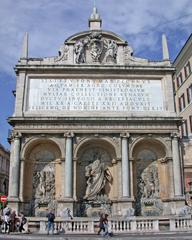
{"type": "Point", "coordinates": [50, 22]}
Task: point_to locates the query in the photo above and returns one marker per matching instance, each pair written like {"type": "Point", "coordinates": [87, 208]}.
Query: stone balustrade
{"type": "Point", "coordinates": [117, 226]}
{"type": "Point", "coordinates": [181, 224]}
{"type": "Point", "coordinates": [79, 226]}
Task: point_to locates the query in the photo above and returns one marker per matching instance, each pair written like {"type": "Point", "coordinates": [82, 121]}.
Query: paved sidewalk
{"type": "Point", "coordinates": [144, 236]}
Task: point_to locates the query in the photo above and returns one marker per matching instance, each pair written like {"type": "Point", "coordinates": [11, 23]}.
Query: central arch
{"type": "Point", "coordinates": [88, 151]}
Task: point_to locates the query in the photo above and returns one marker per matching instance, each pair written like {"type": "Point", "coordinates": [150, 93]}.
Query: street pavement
{"type": "Point", "coordinates": [154, 236]}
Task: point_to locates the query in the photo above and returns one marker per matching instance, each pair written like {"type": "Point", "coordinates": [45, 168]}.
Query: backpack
{"type": "Point", "coordinates": [24, 220]}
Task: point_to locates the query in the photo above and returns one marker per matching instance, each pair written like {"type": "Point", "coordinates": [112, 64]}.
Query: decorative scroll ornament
{"type": "Point", "coordinates": [63, 54]}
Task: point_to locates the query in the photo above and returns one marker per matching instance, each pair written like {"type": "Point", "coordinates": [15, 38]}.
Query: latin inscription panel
{"type": "Point", "coordinates": [94, 95]}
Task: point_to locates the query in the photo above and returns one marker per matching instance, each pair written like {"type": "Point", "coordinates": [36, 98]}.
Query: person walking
{"type": "Point", "coordinates": [51, 219]}
{"type": "Point", "coordinates": [106, 225]}
{"type": "Point", "coordinates": [22, 222]}
{"type": "Point", "coordinates": [101, 224]}
{"type": "Point", "coordinates": [13, 221]}
{"type": "Point", "coordinates": [6, 216]}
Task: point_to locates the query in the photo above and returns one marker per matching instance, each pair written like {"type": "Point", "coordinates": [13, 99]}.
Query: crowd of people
{"type": "Point", "coordinates": [11, 222]}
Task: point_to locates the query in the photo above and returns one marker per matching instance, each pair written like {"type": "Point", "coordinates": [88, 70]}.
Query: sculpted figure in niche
{"type": "Point", "coordinates": [97, 175]}
{"type": "Point", "coordinates": [44, 184]}
{"type": "Point", "coordinates": [111, 53]}
{"type": "Point", "coordinates": [149, 184]}
{"type": "Point", "coordinates": [80, 51]}
{"type": "Point", "coordinates": [40, 188]}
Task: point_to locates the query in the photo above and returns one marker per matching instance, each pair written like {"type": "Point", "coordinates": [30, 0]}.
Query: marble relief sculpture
{"type": "Point", "coordinates": [111, 53]}
{"type": "Point", "coordinates": [44, 184]}
{"type": "Point", "coordinates": [80, 51]}
{"type": "Point", "coordinates": [149, 184]}
{"type": "Point", "coordinates": [96, 46]}
{"type": "Point", "coordinates": [97, 174]}
{"type": "Point", "coordinates": [100, 49]}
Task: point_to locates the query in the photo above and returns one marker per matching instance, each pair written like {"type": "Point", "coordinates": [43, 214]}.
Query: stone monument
{"type": "Point", "coordinates": [95, 129]}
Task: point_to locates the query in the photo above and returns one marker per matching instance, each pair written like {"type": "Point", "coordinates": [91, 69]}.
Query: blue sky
{"type": "Point", "coordinates": [50, 22]}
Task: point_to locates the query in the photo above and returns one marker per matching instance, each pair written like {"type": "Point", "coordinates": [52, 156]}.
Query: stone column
{"type": "Point", "coordinates": [21, 189]}
{"type": "Point", "coordinates": [68, 191]}
{"type": "Point", "coordinates": [176, 165]}
{"type": "Point", "coordinates": [125, 170]}
{"type": "Point", "coordinates": [14, 168]}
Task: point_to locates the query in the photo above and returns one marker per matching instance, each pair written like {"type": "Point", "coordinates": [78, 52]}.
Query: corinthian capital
{"type": "Point", "coordinates": [175, 135]}
{"type": "Point", "coordinates": [125, 135]}
{"type": "Point", "coordinates": [68, 134]}
{"type": "Point", "coordinates": [15, 135]}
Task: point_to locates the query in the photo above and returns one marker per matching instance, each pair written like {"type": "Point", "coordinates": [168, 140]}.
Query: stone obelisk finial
{"type": "Point", "coordinates": [165, 48]}
{"type": "Point", "coordinates": [24, 53]}
{"type": "Point", "coordinates": [95, 21]}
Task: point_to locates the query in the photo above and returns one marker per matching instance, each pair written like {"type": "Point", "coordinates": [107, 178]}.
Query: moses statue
{"type": "Point", "coordinates": [97, 174]}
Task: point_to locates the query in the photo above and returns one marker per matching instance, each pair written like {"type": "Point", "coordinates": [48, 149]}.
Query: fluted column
{"type": "Point", "coordinates": [176, 165]}
{"type": "Point", "coordinates": [68, 191]}
{"type": "Point", "coordinates": [125, 171]}
{"type": "Point", "coordinates": [14, 167]}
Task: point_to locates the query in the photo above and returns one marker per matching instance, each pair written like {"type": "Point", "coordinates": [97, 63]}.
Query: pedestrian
{"type": "Point", "coordinates": [13, 221]}
{"type": "Point", "coordinates": [106, 225]}
{"type": "Point", "coordinates": [1, 223]}
{"type": "Point", "coordinates": [50, 224]}
{"type": "Point", "coordinates": [6, 216]}
{"type": "Point", "coordinates": [101, 224]}
{"type": "Point", "coordinates": [22, 222]}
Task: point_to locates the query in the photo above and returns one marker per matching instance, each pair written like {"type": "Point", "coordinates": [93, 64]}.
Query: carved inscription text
{"type": "Point", "coordinates": [94, 95]}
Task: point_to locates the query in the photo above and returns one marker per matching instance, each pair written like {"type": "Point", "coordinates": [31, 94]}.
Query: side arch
{"type": "Point", "coordinates": [41, 173]}
{"type": "Point", "coordinates": [34, 142]}
{"type": "Point", "coordinates": [152, 144]}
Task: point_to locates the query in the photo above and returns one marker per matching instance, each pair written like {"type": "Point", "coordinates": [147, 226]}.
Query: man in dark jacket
{"type": "Point", "coordinates": [51, 218]}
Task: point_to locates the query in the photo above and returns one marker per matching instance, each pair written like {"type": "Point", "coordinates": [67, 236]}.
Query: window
{"type": "Point", "coordinates": [187, 69]}
{"type": "Point", "coordinates": [190, 122]}
{"type": "Point", "coordinates": [184, 131]}
{"type": "Point", "coordinates": [182, 102]}
{"type": "Point", "coordinates": [179, 80]}
{"type": "Point", "coordinates": [189, 94]}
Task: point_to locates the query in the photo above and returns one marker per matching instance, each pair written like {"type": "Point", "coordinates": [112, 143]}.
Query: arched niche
{"type": "Point", "coordinates": [147, 171]}
{"type": "Point", "coordinates": [87, 152]}
{"type": "Point", "coordinates": [42, 172]}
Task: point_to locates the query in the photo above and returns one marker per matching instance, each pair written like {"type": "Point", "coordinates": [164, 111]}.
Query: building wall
{"type": "Point", "coordinates": [182, 81]}
{"type": "Point", "coordinates": [4, 170]}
